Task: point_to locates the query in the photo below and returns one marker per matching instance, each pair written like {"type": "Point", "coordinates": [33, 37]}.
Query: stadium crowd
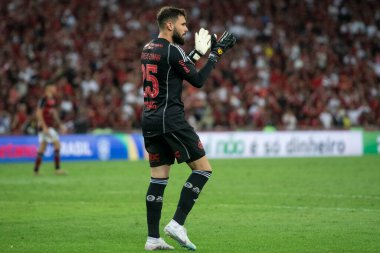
{"type": "Point", "coordinates": [297, 64]}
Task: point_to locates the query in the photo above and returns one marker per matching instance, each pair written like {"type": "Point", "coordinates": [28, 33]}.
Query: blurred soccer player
{"type": "Point", "coordinates": [48, 125]}
{"type": "Point", "coordinates": [167, 135]}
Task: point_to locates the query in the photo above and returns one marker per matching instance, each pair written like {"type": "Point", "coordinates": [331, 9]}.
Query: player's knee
{"type": "Point", "coordinates": [201, 167]}
{"type": "Point", "coordinates": [160, 171]}
{"type": "Point", "coordinates": [42, 148]}
{"type": "Point", "coordinates": [57, 145]}
{"type": "Point", "coordinates": [201, 164]}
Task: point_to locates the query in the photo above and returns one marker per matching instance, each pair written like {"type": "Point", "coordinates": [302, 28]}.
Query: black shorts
{"type": "Point", "coordinates": [183, 145]}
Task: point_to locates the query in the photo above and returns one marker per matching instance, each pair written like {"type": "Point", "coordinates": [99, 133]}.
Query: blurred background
{"type": "Point", "coordinates": [297, 64]}
{"type": "Point", "coordinates": [302, 83]}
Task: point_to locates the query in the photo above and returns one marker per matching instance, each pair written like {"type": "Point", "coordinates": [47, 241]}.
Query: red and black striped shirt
{"type": "Point", "coordinates": [47, 105]}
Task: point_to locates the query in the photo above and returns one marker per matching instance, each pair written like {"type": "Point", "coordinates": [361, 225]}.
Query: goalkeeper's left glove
{"type": "Point", "coordinates": [219, 47]}
{"type": "Point", "coordinates": [202, 44]}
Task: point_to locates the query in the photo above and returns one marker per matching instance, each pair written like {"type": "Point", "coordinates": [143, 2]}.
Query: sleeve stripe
{"type": "Point", "coordinates": [223, 36]}
{"type": "Point", "coordinates": [181, 51]}
{"type": "Point", "coordinates": [168, 58]}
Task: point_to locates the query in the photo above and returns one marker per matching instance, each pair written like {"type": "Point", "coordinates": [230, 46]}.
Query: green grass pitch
{"type": "Point", "coordinates": [315, 205]}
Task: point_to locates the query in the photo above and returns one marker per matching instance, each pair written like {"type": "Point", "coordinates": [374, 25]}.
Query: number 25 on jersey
{"type": "Point", "coordinates": [148, 75]}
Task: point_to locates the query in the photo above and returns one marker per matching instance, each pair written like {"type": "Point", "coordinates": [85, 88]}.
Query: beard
{"type": "Point", "coordinates": [177, 38]}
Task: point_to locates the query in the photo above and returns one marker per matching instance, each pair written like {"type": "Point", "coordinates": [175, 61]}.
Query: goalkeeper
{"type": "Point", "coordinates": [167, 135]}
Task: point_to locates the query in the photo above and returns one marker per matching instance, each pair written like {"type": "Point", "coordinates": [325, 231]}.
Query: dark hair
{"type": "Point", "coordinates": [168, 12]}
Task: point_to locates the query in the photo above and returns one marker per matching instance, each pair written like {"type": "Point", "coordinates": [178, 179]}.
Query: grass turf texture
{"type": "Point", "coordinates": [252, 205]}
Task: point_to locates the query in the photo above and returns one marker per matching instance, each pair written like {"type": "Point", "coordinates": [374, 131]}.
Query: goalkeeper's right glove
{"type": "Point", "coordinates": [218, 48]}
{"type": "Point", "coordinates": [202, 44]}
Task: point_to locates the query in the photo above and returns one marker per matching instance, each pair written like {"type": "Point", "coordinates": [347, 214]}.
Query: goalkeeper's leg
{"type": "Point", "coordinates": [154, 198]}
{"type": "Point", "coordinates": [201, 171]}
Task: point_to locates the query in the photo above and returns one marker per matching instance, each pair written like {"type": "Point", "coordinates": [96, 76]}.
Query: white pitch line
{"type": "Point", "coordinates": [338, 196]}
{"type": "Point", "coordinates": [339, 209]}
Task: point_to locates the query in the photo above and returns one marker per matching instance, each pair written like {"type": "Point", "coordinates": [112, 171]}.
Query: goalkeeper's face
{"type": "Point", "coordinates": [177, 38]}
{"type": "Point", "coordinates": [180, 30]}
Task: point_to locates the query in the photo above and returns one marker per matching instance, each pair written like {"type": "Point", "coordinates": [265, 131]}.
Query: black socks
{"type": "Point", "coordinates": [189, 194]}
{"type": "Point", "coordinates": [38, 161]}
{"type": "Point", "coordinates": [154, 198]}
{"type": "Point", "coordinates": [57, 159]}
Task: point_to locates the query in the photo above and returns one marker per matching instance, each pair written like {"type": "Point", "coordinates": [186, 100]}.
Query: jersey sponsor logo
{"type": "Point", "coordinates": [150, 105]}
{"type": "Point", "coordinates": [150, 198]}
{"type": "Point", "coordinates": [185, 68]}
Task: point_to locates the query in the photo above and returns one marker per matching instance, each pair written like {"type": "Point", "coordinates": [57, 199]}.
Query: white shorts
{"type": "Point", "coordinates": [51, 137]}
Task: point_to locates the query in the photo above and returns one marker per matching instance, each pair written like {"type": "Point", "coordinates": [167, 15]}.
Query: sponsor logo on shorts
{"type": "Point", "coordinates": [154, 157]}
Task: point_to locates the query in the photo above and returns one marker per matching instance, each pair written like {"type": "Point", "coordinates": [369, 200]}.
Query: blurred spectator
{"type": "Point", "coordinates": [298, 64]}
{"type": "Point", "coordinates": [289, 120]}
{"type": "Point", "coordinates": [326, 119]}
{"type": "Point", "coordinates": [19, 119]}
{"type": "Point", "coordinates": [5, 120]}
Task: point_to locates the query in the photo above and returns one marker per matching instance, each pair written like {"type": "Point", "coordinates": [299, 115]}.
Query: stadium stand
{"type": "Point", "coordinates": [297, 65]}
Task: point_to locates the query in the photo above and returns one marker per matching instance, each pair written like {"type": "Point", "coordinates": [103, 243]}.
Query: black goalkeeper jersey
{"type": "Point", "coordinates": [164, 66]}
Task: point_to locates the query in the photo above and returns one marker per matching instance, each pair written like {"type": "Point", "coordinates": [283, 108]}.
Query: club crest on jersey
{"type": "Point", "coordinates": [220, 51]}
